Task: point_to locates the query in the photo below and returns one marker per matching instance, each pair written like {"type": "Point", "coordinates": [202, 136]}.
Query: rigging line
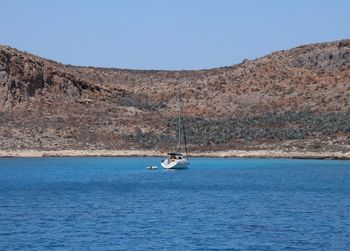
{"type": "Point", "coordinates": [183, 128]}
{"type": "Point", "coordinates": [181, 121]}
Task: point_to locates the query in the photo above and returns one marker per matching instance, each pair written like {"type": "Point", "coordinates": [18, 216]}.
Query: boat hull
{"type": "Point", "coordinates": [176, 164]}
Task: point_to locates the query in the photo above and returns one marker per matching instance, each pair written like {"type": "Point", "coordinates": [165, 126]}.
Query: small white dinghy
{"type": "Point", "coordinates": [151, 167]}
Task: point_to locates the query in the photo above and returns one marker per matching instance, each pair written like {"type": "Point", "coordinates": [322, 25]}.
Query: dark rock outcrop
{"type": "Point", "coordinates": [323, 57]}
{"type": "Point", "coordinates": [23, 76]}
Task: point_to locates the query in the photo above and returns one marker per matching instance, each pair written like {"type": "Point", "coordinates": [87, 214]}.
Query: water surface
{"type": "Point", "coordinates": [217, 204]}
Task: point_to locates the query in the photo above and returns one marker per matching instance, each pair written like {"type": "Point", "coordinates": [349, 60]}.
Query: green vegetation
{"type": "Point", "coordinates": [269, 126]}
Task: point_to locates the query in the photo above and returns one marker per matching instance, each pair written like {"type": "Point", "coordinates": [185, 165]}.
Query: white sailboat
{"type": "Point", "coordinates": [176, 160]}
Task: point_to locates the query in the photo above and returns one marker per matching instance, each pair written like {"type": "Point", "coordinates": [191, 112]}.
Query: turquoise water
{"type": "Point", "coordinates": [217, 204]}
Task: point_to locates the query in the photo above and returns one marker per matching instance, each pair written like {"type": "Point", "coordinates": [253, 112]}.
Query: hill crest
{"type": "Point", "coordinates": [49, 105]}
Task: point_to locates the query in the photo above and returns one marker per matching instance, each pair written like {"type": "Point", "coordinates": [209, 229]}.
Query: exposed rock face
{"type": "Point", "coordinates": [323, 57]}
{"type": "Point", "coordinates": [297, 98]}
{"type": "Point", "coordinates": [23, 76]}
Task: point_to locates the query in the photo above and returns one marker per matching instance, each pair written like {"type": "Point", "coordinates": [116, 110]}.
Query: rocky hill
{"type": "Point", "coordinates": [294, 99]}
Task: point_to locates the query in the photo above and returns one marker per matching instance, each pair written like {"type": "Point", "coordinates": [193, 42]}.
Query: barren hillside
{"type": "Point", "coordinates": [299, 98]}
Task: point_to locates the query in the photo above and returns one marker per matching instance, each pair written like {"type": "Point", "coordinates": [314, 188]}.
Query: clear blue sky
{"type": "Point", "coordinates": [165, 34]}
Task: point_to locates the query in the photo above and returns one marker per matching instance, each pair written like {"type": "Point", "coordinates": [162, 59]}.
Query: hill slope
{"type": "Point", "coordinates": [294, 99]}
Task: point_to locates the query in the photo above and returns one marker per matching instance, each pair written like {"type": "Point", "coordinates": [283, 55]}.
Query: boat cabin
{"type": "Point", "coordinates": [174, 156]}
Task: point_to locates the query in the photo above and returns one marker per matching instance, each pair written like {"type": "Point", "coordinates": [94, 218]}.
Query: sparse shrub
{"type": "Point", "coordinates": [289, 125]}
{"type": "Point", "coordinates": [139, 103]}
{"type": "Point", "coordinates": [316, 146]}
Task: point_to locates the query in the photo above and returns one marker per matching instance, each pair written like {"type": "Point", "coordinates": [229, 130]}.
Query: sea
{"type": "Point", "coordinates": [110, 203]}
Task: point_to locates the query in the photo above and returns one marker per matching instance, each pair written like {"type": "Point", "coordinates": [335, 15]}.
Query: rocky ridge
{"type": "Point", "coordinates": [293, 99]}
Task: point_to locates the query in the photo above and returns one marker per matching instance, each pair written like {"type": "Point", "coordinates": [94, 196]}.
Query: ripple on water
{"type": "Point", "coordinates": [217, 204]}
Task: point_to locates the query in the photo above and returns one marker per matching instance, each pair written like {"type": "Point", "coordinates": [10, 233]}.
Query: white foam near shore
{"type": "Point", "coordinates": [145, 153]}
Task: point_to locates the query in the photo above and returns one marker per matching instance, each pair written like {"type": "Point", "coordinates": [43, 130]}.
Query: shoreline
{"type": "Point", "coordinates": [208, 154]}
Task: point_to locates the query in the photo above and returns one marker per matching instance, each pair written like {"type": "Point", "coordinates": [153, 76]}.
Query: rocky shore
{"type": "Point", "coordinates": [145, 153]}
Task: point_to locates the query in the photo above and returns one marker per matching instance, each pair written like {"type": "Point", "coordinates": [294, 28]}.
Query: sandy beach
{"type": "Point", "coordinates": [145, 153]}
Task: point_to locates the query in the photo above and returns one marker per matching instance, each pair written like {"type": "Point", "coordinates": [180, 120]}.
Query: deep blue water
{"type": "Point", "coordinates": [217, 204]}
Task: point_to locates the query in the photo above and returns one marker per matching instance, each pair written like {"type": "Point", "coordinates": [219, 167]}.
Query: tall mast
{"type": "Point", "coordinates": [183, 129]}
{"type": "Point", "coordinates": [179, 119]}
